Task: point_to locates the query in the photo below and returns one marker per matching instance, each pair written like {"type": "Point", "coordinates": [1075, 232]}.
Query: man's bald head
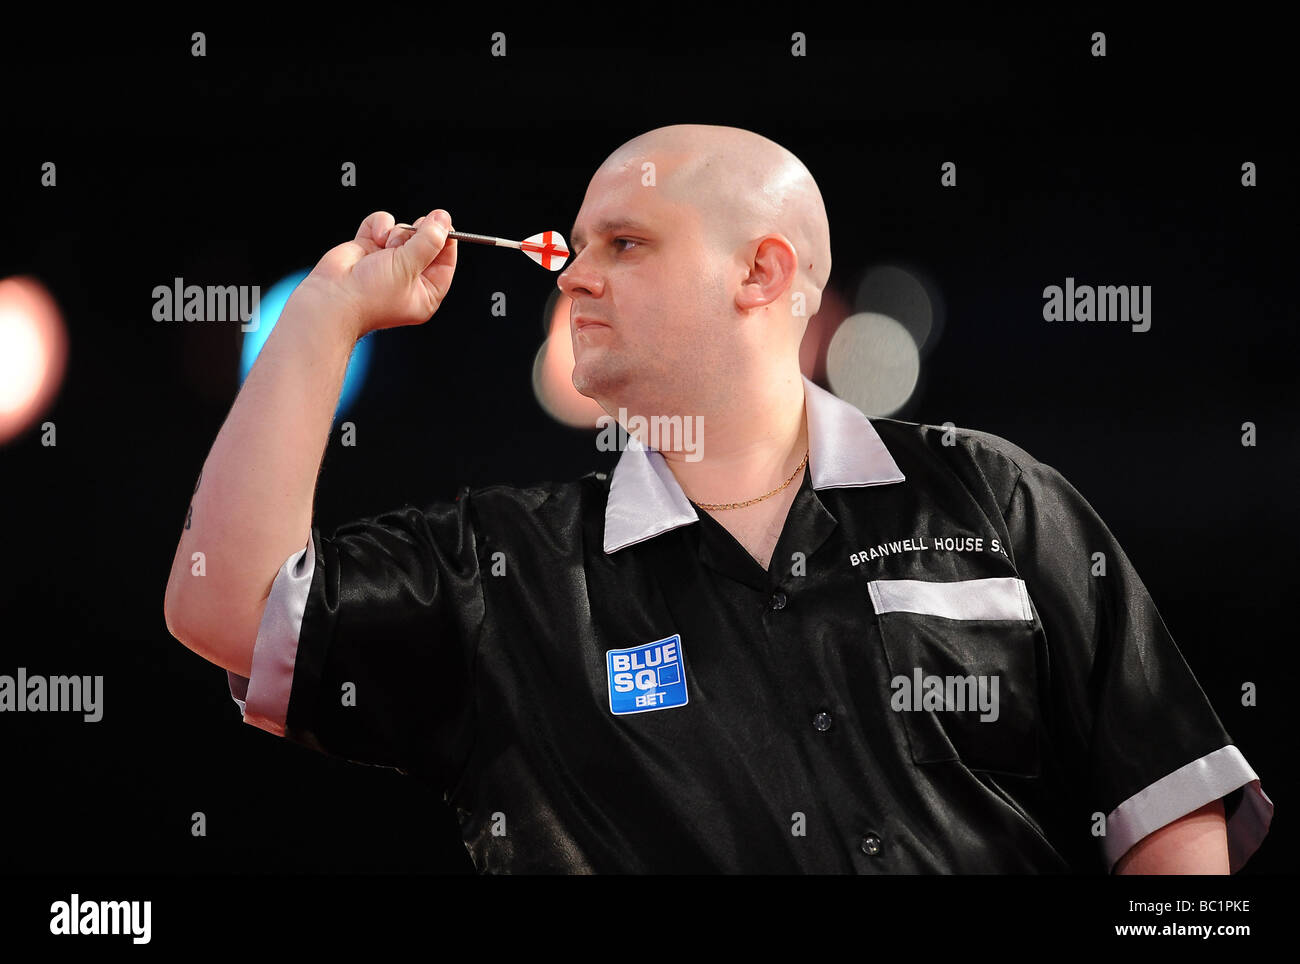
{"type": "Point", "coordinates": [693, 280]}
{"type": "Point", "coordinates": [744, 186]}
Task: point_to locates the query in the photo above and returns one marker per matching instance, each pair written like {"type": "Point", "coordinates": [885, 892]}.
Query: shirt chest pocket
{"type": "Point", "coordinates": [963, 670]}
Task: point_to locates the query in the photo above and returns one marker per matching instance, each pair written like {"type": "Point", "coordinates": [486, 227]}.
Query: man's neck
{"type": "Point", "coordinates": [749, 447]}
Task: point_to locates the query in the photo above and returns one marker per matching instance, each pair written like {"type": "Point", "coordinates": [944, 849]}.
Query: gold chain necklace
{"type": "Point", "coordinates": [737, 505]}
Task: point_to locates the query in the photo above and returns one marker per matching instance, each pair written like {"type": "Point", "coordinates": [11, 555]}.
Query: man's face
{"type": "Point", "coordinates": [655, 276]}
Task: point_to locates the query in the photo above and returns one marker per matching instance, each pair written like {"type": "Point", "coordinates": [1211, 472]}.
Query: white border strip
{"type": "Point", "coordinates": [1189, 788]}
{"type": "Point", "coordinates": [1002, 597]}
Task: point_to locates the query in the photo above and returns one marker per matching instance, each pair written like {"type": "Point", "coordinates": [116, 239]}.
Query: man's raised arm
{"type": "Point", "coordinates": [252, 503]}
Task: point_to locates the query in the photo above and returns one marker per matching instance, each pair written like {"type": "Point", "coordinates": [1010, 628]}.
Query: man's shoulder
{"type": "Point", "coordinates": [971, 442]}
{"type": "Point", "coordinates": [922, 447]}
{"type": "Point", "coordinates": [543, 516]}
{"type": "Point", "coordinates": [589, 489]}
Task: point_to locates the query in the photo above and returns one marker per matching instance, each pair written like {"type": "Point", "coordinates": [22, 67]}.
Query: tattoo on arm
{"type": "Point", "coordinates": [189, 514]}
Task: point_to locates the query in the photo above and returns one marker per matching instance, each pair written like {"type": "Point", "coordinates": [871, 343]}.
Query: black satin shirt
{"type": "Point", "coordinates": [474, 638]}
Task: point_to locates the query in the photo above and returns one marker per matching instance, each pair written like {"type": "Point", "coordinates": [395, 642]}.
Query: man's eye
{"type": "Point", "coordinates": [628, 240]}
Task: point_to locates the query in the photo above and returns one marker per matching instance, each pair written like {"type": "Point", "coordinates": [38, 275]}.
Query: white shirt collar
{"type": "Point", "coordinates": [843, 450]}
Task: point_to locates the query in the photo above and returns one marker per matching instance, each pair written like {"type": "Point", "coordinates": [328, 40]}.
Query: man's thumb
{"type": "Point", "coordinates": [423, 246]}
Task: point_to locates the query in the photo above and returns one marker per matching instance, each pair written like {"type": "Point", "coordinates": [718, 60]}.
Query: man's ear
{"type": "Point", "coordinates": [772, 269]}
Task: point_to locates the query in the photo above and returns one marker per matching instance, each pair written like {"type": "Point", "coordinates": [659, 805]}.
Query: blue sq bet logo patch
{"type": "Point", "coordinates": [646, 677]}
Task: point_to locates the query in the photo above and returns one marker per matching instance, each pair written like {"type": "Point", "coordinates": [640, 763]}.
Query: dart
{"type": "Point", "coordinates": [548, 248]}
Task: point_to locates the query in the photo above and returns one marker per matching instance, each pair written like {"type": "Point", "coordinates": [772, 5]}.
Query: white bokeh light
{"type": "Point", "coordinates": [873, 363]}
{"type": "Point", "coordinates": [898, 293]}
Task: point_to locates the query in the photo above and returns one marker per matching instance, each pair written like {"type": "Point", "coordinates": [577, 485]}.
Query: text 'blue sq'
{"type": "Point", "coordinates": [646, 677]}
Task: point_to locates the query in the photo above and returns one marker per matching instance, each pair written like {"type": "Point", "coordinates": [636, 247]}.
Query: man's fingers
{"type": "Point", "coordinates": [376, 228]}
{"type": "Point", "coordinates": [397, 237]}
{"type": "Point", "coordinates": [423, 246]}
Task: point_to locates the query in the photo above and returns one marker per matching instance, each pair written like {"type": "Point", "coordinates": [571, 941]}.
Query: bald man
{"type": "Point", "coordinates": [737, 222]}
{"type": "Point", "coordinates": [697, 664]}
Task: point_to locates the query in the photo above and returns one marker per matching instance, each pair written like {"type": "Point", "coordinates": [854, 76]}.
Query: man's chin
{"type": "Point", "coordinates": [598, 382]}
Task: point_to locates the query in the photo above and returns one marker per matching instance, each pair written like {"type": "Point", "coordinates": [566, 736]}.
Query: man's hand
{"type": "Point", "coordinates": [1193, 844]}
{"type": "Point", "coordinates": [255, 506]}
{"type": "Point", "coordinates": [387, 277]}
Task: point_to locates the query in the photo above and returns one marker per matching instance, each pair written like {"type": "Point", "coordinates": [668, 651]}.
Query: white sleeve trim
{"type": "Point", "coordinates": [1187, 789]}
{"type": "Point", "coordinates": [263, 699]}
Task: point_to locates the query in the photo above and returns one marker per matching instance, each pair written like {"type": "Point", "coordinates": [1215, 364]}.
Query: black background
{"type": "Point", "coordinates": [225, 170]}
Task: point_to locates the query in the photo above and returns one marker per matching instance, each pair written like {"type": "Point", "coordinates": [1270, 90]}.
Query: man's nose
{"type": "Point", "coordinates": [579, 277]}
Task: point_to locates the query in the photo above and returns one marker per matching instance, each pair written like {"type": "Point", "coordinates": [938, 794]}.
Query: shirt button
{"type": "Point", "coordinates": [870, 844]}
{"type": "Point", "coordinates": [778, 600]}
{"type": "Point", "coordinates": [822, 721]}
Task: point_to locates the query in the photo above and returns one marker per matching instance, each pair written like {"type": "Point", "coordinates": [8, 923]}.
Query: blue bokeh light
{"type": "Point", "coordinates": [268, 313]}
